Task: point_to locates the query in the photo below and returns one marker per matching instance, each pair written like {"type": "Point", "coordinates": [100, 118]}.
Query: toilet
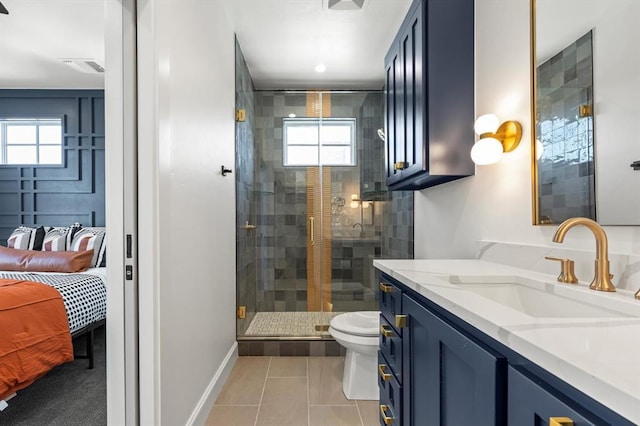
{"type": "Point", "coordinates": [358, 332]}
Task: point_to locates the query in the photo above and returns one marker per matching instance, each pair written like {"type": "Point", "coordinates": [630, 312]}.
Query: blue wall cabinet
{"type": "Point", "coordinates": [448, 378]}
{"type": "Point", "coordinates": [429, 93]}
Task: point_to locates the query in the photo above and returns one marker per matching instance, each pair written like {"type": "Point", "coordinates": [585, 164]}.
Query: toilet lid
{"type": "Point", "coordinates": [363, 323]}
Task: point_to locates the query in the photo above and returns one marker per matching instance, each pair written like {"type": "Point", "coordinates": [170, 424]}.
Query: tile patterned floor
{"type": "Point", "coordinates": [289, 391]}
{"type": "Point", "coordinates": [289, 323]}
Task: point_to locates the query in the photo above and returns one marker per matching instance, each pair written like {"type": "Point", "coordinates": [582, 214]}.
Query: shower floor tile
{"type": "Point", "coordinates": [283, 324]}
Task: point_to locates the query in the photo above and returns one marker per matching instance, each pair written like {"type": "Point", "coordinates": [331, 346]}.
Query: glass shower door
{"type": "Point", "coordinates": [316, 232]}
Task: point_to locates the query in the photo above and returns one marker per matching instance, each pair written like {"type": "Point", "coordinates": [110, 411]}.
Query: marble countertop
{"type": "Point", "coordinates": [600, 356]}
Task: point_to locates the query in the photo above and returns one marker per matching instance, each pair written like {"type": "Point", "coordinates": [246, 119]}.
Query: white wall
{"type": "Point", "coordinates": [616, 89]}
{"type": "Point", "coordinates": [495, 204]}
{"type": "Point", "coordinates": [186, 207]}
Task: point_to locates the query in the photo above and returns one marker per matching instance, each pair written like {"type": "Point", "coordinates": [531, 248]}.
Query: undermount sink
{"type": "Point", "coordinates": [534, 302]}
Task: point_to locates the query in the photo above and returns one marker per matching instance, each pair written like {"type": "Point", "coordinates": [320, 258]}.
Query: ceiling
{"type": "Point", "coordinates": [37, 33]}
{"type": "Point", "coordinates": [282, 41]}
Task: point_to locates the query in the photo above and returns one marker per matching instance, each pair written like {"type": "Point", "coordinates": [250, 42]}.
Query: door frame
{"type": "Point", "coordinates": [121, 129]}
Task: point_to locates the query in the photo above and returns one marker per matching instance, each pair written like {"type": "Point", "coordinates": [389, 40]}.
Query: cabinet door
{"type": "Point", "coordinates": [530, 404]}
{"type": "Point", "coordinates": [448, 379]}
{"type": "Point", "coordinates": [411, 124]}
{"type": "Point", "coordinates": [393, 113]}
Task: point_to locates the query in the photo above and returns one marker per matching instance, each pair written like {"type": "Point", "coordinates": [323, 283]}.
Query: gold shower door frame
{"type": "Point", "coordinates": [319, 218]}
{"type": "Point", "coordinates": [319, 239]}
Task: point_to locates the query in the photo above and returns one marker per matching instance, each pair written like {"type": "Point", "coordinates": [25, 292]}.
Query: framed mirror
{"type": "Point", "coordinates": [586, 132]}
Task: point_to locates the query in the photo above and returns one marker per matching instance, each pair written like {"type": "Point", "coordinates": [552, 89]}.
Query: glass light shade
{"type": "Point", "coordinates": [487, 123]}
{"type": "Point", "coordinates": [486, 151]}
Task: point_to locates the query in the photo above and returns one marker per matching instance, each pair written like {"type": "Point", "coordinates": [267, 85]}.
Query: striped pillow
{"type": "Point", "coordinates": [26, 238]}
{"type": "Point", "coordinates": [91, 238]}
{"type": "Point", "coordinates": [55, 239]}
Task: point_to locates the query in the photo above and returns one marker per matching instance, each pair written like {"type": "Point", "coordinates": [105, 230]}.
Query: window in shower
{"type": "Point", "coordinates": [311, 142]}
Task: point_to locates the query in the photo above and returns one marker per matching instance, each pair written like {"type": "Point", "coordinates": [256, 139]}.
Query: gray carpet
{"type": "Point", "coordinates": [70, 394]}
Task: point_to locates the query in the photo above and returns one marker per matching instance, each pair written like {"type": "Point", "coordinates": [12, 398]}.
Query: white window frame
{"type": "Point", "coordinates": [319, 123]}
{"type": "Point", "coordinates": [37, 122]}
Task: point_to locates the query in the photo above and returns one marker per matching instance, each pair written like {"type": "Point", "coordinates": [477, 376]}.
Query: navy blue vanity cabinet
{"type": "Point", "coordinates": [429, 92]}
{"type": "Point", "coordinates": [448, 378]}
{"type": "Point", "coordinates": [531, 401]}
{"type": "Point", "coordinates": [450, 373]}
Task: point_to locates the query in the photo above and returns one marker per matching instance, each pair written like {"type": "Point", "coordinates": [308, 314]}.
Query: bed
{"type": "Point", "coordinates": [84, 298]}
{"type": "Point", "coordinates": [41, 311]}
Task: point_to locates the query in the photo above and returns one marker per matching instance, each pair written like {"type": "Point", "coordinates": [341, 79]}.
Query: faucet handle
{"type": "Point", "coordinates": [567, 274]}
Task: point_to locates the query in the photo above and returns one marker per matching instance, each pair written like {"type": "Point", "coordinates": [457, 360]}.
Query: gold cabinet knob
{"type": "Point", "coordinates": [386, 288]}
{"type": "Point", "coordinates": [382, 370]}
{"type": "Point", "coordinates": [388, 420]}
{"type": "Point", "coordinates": [400, 165]}
{"type": "Point", "coordinates": [401, 321]}
{"type": "Point", "coordinates": [560, 421]}
{"type": "Point", "coordinates": [386, 331]}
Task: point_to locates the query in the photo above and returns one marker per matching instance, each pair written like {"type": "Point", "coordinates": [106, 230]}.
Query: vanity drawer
{"type": "Point", "coordinates": [390, 399]}
{"type": "Point", "coordinates": [390, 298]}
{"type": "Point", "coordinates": [391, 347]}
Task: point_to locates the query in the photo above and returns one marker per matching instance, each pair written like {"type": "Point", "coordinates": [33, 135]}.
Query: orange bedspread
{"type": "Point", "coordinates": [34, 333]}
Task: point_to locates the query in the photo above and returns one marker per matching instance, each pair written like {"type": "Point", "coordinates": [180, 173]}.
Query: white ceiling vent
{"type": "Point", "coordinates": [84, 65]}
{"type": "Point", "coordinates": [344, 4]}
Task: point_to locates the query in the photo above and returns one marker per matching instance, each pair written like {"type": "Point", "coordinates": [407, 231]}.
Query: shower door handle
{"type": "Point", "coordinates": [312, 238]}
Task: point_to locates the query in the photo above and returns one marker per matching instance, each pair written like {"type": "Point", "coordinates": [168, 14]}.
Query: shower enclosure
{"type": "Point", "coordinates": [312, 209]}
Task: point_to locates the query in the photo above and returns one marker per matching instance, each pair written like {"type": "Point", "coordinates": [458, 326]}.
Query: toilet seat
{"type": "Point", "coordinates": [363, 323]}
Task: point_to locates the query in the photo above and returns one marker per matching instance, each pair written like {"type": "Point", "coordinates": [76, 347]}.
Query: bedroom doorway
{"type": "Point", "coordinates": [102, 34]}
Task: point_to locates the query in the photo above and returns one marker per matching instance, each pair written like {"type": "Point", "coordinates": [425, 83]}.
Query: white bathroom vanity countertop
{"type": "Point", "coordinates": [597, 353]}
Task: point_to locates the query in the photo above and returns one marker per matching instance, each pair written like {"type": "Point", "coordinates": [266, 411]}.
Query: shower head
{"type": "Point", "coordinates": [381, 135]}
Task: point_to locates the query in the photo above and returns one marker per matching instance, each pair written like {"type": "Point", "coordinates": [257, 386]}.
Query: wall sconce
{"type": "Point", "coordinates": [355, 201]}
{"type": "Point", "coordinates": [495, 139]}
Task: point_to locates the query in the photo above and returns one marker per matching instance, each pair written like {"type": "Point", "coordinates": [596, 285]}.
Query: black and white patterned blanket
{"type": "Point", "coordinates": [84, 295]}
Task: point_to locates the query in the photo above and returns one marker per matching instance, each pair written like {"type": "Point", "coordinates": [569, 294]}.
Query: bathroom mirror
{"type": "Point", "coordinates": [586, 83]}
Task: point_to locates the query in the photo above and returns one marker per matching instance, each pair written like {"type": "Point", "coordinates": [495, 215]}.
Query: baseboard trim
{"type": "Point", "coordinates": [200, 413]}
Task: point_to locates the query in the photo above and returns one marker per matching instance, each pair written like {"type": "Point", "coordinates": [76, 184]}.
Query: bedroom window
{"type": "Point", "coordinates": [31, 141]}
{"type": "Point", "coordinates": [311, 142]}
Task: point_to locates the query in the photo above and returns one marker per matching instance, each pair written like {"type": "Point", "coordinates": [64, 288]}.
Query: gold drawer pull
{"type": "Point", "coordinates": [401, 321]}
{"type": "Point", "coordinates": [386, 331]}
{"type": "Point", "coordinates": [386, 288]}
{"type": "Point", "coordinates": [400, 165]}
{"type": "Point", "coordinates": [560, 421]}
{"type": "Point", "coordinates": [388, 420]}
{"type": "Point", "coordinates": [381, 370]}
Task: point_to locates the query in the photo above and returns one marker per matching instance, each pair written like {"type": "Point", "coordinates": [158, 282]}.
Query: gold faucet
{"type": "Point", "coordinates": [602, 279]}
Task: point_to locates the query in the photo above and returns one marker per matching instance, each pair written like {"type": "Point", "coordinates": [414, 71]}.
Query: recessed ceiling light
{"type": "Point", "coordinates": [320, 68]}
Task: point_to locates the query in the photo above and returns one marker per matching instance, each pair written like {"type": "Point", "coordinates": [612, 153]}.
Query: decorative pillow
{"type": "Point", "coordinates": [55, 238]}
{"type": "Point", "coordinates": [44, 261]}
{"type": "Point", "coordinates": [91, 238]}
{"type": "Point", "coordinates": [25, 238]}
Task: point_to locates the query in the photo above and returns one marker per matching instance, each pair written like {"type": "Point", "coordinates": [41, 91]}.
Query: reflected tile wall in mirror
{"type": "Point", "coordinates": [566, 175]}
